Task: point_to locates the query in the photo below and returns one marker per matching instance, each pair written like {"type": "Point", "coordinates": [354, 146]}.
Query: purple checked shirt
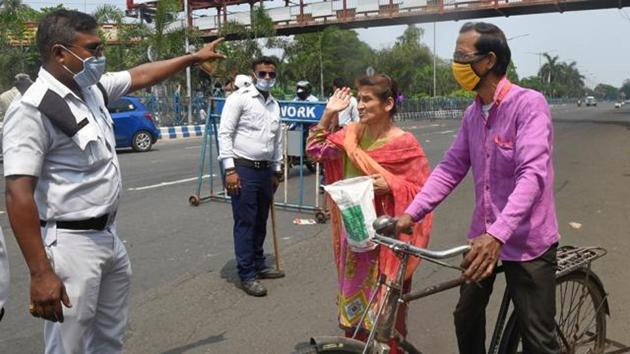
{"type": "Point", "coordinates": [510, 155]}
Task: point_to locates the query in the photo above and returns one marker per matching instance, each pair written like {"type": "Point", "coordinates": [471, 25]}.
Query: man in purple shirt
{"type": "Point", "coordinates": [506, 138]}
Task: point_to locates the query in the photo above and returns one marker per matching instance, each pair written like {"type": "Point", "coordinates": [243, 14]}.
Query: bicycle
{"type": "Point", "coordinates": [581, 303]}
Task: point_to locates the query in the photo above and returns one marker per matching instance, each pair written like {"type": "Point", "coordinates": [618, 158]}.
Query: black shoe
{"type": "Point", "coordinates": [270, 273]}
{"type": "Point", "coordinates": [253, 287]}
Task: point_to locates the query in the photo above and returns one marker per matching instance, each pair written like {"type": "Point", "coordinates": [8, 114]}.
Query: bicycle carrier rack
{"type": "Point", "coordinates": [571, 258]}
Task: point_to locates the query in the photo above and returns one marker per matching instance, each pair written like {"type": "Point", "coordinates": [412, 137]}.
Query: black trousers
{"type": "Point", "coordinates": [532, 288]}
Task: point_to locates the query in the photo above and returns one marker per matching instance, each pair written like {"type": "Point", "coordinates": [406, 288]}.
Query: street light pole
{"type": "Point", "coordinates": [321, 66]}
{"type": "Point", "coordinates": [434, 60]}
{"type": "Point", "coordinates": [518, 36]}
{"type": "Point", "coordinates": [188, 80]}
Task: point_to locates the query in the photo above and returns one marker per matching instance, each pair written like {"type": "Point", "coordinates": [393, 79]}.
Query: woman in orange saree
{"type": "Point", "coordinates": [372, 147]}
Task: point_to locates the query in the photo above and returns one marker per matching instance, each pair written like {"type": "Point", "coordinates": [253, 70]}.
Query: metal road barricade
{"type": "Point", "coordinates": [298, 192]}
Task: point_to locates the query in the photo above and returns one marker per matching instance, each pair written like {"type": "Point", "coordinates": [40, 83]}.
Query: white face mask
{"type": "Point", "coordinates": [93, 69]}
{"type": "Point", "coordinates": [265, 85]}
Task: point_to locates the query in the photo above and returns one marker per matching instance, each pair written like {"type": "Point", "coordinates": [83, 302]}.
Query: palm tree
{"type": "Point", "coordinates": [108, 14]}
{"type": "Point", "coordinates": [549, 70]}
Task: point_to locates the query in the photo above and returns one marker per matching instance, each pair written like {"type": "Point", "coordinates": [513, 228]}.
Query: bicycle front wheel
{"type": "Point", "coordinates": [580, 317]}
{"type": "Point", "coordinates": [332, 345]}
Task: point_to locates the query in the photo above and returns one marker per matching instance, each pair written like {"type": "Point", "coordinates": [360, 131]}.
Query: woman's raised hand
{"type": "Point", "coordinates": [339, 100]}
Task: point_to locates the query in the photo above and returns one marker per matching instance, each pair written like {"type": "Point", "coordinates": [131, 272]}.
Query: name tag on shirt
{"type": "Point", "coordinates": [83, 123]}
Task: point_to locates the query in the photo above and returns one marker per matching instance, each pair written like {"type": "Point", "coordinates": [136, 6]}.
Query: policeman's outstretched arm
{"type": "Point", "coordinates": [149, 74]}
{"type": "Point", "coordinates": [47, 290]}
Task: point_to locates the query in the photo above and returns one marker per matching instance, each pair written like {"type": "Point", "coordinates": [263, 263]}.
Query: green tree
{"type": "Point", "coordinates": [408, 61]}
{"type": "Point", "coordinates": [606, 92]}
{"type": "Point", "coordinates": [111, 15]}
{"type": "Point", "coordinates": [331, 53]}
{"type": "Point", "coordinates": [625, 88]}
{"type": "Point", "coordinates": [549, 70]}
{"type": "Point", "coordinates": [248, 44]}
{"type": "Point", "coordinates": [17, 52]}
{"type": "Point", "coordinates": [560, 79]}
{"type": "Point", "coordinates": [512, 75]}
{"type": "Point", "coordinates": [532, 82]}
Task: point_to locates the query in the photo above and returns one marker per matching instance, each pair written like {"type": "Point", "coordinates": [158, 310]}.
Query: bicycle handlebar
{"type": "Point", "coordinates": [385, 225]}
{"type": "Point", "coordinates": [400, 246]}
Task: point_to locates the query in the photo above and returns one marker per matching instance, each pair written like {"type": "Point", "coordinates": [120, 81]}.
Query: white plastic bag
{"type": "Point", "coordinates": [355, 199]}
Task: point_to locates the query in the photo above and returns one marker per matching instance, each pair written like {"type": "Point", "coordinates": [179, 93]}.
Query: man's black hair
{"type": "Point", "coordinates": [491, 39]}
{"type": "Point", "coordinates": [264, 60]}
{"type": "Point", "coordinates": [340, 82]}
{"type": "Point", "coordinates": [60, 27]}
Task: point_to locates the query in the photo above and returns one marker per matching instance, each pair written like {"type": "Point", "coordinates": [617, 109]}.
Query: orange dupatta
{"type": "Point", "coordinates": [403, 164]}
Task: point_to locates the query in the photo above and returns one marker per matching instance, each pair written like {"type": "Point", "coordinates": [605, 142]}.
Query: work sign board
{"type": "Point", "coordinates": [298, 111]}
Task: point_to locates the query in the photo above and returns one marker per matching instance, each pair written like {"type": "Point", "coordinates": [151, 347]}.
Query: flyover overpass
{"type": "Point", "coordinates": [301, 16]}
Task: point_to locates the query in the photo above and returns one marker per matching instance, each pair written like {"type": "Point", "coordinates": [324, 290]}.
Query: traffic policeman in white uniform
{"type": "Point", "coordinates": [250, 148]}
{"type": "Point", "coordinates": [63, 184]}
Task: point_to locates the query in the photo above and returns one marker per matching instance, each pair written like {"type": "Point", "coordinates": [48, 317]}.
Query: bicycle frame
{"type": "Point", "coordinates": [393, 297]}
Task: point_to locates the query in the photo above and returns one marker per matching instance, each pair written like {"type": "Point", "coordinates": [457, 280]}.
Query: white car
{"type": "Point", "coordinates": [618, 104]}
{"type": "Point", "coordinates": [590, 101]}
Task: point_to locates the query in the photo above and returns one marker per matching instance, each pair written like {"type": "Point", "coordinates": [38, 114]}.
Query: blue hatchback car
{"type": "Point", "coordinates": [133, 124]}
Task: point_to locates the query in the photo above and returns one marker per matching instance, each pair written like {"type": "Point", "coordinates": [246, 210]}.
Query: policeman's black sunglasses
{"type": "Point", "coordinates": [263, 74]}
{"type": "Point", "coordinates": [96, 49]}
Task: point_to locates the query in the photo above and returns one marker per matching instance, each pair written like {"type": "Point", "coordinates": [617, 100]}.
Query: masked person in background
{"type": "Point", "coordinates": [303, 91]}
{"type": "Point", "coordinates": [250, 149]}
{"type": "Point", "coordinates": [63, 183]}
{"type": "Point", "coordinates": [506, 138]}
{"type": "Point", "coordinates": [20, 85]}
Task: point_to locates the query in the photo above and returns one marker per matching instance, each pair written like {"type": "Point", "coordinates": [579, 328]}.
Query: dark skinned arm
{"type": "Point", "coordinates": [47, 290]}
{"type": "Point", "coordinates": [149, 74]}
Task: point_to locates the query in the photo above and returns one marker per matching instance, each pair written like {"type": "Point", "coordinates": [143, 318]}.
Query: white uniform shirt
{"type": "Point", "coordinates": [350, 114]}
{"type": "Point", "coordinates": [78, 176]}
{"type": "Point", "coordinates": [250, 128]}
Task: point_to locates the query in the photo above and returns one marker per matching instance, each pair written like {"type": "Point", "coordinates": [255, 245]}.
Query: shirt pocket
{"type": "Point", "coordinates": [92, 146]}
{"type": "Point", "coordinates": [274, 126]}
{"type": "Point", "coordinates": [504, 156]}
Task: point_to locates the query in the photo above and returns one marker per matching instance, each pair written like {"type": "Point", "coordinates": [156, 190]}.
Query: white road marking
{"type": "Point", "coordinates": [416, 127]}
{"type": "Point", "coordinates": [447, 132]}
{"type": "Point", "coordinates": [163, 184]}
{"type": "Point", "coordinates": [2, 212]}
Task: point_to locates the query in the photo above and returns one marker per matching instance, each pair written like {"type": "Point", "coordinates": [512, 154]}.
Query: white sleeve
{"type": "Point", "coordinates": [227, 128]}
{"type": "Point", "coordinates": [354, 111]}
{"type": "Point", "coordinates": [25, 141]}
{"type": "Point", "coordinates": [116, 84]}
{"type": "Point", "coordinates": [278, 153]}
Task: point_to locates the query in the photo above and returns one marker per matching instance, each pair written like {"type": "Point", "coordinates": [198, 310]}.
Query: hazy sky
{"type": "Point", "coordinates": [597, 40]}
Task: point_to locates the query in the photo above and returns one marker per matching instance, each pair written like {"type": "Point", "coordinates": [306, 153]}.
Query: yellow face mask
{"type": "Point", "coordinates": [465, 76]}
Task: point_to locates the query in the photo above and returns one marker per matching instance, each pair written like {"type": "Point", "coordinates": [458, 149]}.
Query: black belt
{"type": "Point", "coordinates": [99, 223]}
{"type": "Point", "coordinates": [259, 165]}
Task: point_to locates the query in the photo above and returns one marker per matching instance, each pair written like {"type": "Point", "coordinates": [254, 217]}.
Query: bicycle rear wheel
{"type": "Point", "coordinates": [580, 317]}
